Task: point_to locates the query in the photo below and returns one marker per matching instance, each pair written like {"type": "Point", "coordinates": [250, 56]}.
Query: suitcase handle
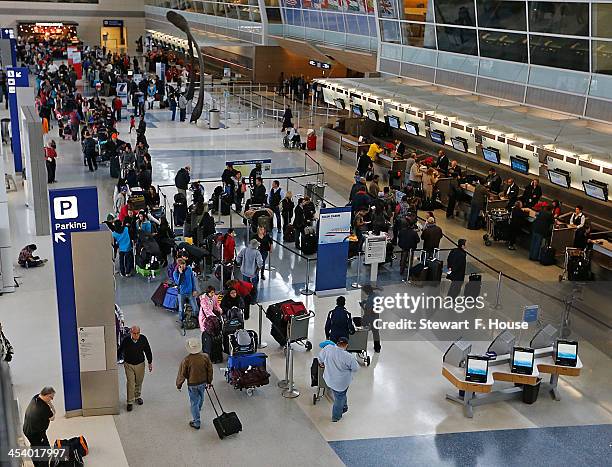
{"type": "Point", "coordinates": [211, 400]}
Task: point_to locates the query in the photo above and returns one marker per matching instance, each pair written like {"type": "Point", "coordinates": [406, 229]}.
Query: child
{"type": "Point", "coordinates": [132, 122]}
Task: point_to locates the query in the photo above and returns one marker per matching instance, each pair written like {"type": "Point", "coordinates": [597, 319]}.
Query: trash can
{"type": "Point", "coordinates": [530, 393]}
{"type": "Point", "coordinates": [4, 129]}
{"type": "Point", "coordinates": [311, 140]}
{"type": "Point", "coordinates": [214, 119]}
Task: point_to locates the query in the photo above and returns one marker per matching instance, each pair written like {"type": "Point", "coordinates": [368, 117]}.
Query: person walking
{"type": "Point", "coordinates": [121, 235]}
{"type": "Point", "coordinates": [368, 316]}
{"type": "Point", "coordinates": [133, 349]}
{"type": "Point", "coordinates": [339, 322]}
{"type": "Point", "coordinates": [182, 105]}
{"type": "Point", "coordinates": [184, 277]}
{"type": "Point", "coordinates": [431, 236]}
{"type": "Point", "coordinates": [250, 261]}
{"type": "Point", "coordinates": [339, 366]}
{"type": "Point", "coordinates": [39, 414]}
{"type": "Point", "coordinates": [265, 245]}
{"type": "Point", "coordinates": [457, 259]}
{"type": "Point", "coordinates": [172, 104]}
{"type": "Point", "coordinates": [50, 161]}
{"type": "Point", "coordinates": [196, 368]}
{"type": "Point", "coordinates": [275, 197]}
{"type": "Point", "coordinates": [89, 151]}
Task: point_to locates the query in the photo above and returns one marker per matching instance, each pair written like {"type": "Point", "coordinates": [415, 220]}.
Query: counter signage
{"type": "Point", "coordinates": [16, 77]}
{"type": "Point", "coordinates": [332, 253]}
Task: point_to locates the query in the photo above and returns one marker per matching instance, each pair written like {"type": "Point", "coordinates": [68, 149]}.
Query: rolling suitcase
{"type": "Point", "coordinates": [115, 167]}
{"type": "Point", "coordinates": [289, 234]}
{"type": "Point", "coordinates": [472, 288]}
{"type": "Point", "coordinates": [226, 424]}
{"type": "Point", "coordinates": [160, 294]}
{"type": "Point", "coordinates": [136, 200]}
{"type": "Point", "coordinates": [547, 256]}
{"type": "Point", "coordinates": [435, 266]}
{"type": "Point", "coordinates": [309, 244]}
{"type": "Point", "coordinates": [419, 272]}
{"type": "Point", "coordinates": [171, 299]}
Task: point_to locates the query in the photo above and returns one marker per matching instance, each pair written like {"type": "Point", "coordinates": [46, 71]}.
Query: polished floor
{"type": "Point", "coordinates": [398, 413]}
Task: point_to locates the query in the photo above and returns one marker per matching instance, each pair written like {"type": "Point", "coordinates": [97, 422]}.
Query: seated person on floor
{"type": "Point", "coordinates": [27, 258]}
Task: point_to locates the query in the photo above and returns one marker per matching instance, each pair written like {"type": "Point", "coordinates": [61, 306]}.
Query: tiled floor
{"type": "Point", "coordinates": [398, 414]}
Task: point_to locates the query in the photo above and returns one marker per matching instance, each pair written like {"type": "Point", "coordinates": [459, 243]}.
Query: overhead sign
{"type": "Point", "coordinates": [122, 92]}
{"type": "Point", "coordinates": [316, 63]}
{"type": "Point", "coordinates": [72, 210]}
{"type": "Point", "coordinates": [7, 33]}
{"type": "Point", "coordinates": [112, 22]}
{"type": "Point", "coordinates": [16, 77]}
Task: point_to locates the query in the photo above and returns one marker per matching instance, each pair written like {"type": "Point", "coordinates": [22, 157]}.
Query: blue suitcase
{"type": "Point", "coordinates": [242, 362]}
{"type": "Point", "coordinates": [171, 299]}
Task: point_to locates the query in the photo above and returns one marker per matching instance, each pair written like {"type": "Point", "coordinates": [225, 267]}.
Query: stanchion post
{"type": "Point", "coordinates": [498, 291]}
{"type": "Point", "coordinates": [270, 267]}
{"type": "Point", "coordinates": [357, 285]}
{"type": "Point", "coordinates": [410, 262]}
{"type": "Point", "coordinates": [306, 290]}
{"type": "Point", "coordinates": [219, 221]}
{"type": "Point", "coordinates": [261, 344]}
{"type": "Point", "coordinates": [284, 383]}
{"type": "Point", "coordinates": [221, 281]}
{"type": "Point", "coordinates": [290, 392]}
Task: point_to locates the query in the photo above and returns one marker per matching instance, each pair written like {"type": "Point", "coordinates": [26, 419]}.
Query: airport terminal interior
{"type": "Point", "coordinates": [305, 232]}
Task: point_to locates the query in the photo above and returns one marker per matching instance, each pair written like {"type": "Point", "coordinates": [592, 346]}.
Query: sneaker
{"type": "Point", "coordinates": [194, 426]}
{"type": "Point", "coordinates": [130, 407]}
{"type": "Point", "coordinates": [345, 410]}
{"type": "Point", "coordinates": [335, 420]}
{"type": "Point", "coordinates": [139, 401]}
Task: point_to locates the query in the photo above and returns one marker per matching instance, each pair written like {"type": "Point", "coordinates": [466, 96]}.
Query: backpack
{"type": "Point", "coordinates": [190, 320]}
{"type": "Point", "coordinates": [235, 317]}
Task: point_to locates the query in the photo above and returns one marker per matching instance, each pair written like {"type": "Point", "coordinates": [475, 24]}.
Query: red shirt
{"type": "Point", "coordinates": [228, 248]}
{"type": "Point", "coordinates": [50, 153]}
{"type": "Point", "coordinates": [243, 288]}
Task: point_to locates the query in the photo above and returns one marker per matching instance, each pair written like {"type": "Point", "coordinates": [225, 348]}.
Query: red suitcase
{"type": "Point", "coordinates": [293, 309]}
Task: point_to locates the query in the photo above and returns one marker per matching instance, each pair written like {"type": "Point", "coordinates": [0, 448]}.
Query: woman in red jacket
{"type": "Point", "coordinates": [244, 290]}
{"type": "Point", "coordinates": [50, 156]}
{"type": "Point", "coordinates": [229, 246]}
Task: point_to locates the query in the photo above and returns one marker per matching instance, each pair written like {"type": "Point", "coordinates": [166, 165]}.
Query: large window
{"type": "Point", "coordinates": [503, 45]}
{"type": "Point", "coordinates": [460, 12]}
{"type": "Point", "coordinates": [387, 9]}
{"type": "Point", "coordinates": [602, 20]}
{"type": "Point", "coordinates": [459, 40]}
{"type": "Point", "coordinates": [501, 14]}
{"type": "Point", "coordinates": [419, 35]}
{"type": "Point", "coordinates": [571, 19]}
{"type": "Point", "coordinates": [390, 31]}
{"type": "Point", "coordinates": [560, 52]}
{"type": "Point", "coordinates": [602, 57]}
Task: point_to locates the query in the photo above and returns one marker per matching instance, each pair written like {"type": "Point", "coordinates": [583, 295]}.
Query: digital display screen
{"type": "Point", "coordinates": [524, 359]}
{"type": "Point", "coordinates": [477, 367]}
{"type": "Point", "coordinates": [357, 110]}
{"type": "Point", "coordinates": [595, 190]}
{"type": "Point", "coordinates": [339, 103]}
{"type": "Point", "coordinates": [519, 164]}
{"type": "Point", "coordinates": [567, 351]}
{"type": "Point", "coordinates": [412, 128]}
{"type": "Point", "coordinates": [559, 179]}
{"type": "Point", "coordinates": [460, 144]}
{"type": "Point", "coordinates": [394, 122]}
{"type": "Point", "coordinates": [491, 155]}
{"type": "Point", "coordinates": [373, 114]}
{"type": "Point", "coordinates": [437, 136]}
{"type": "Point", "coordinates": [130, 72]}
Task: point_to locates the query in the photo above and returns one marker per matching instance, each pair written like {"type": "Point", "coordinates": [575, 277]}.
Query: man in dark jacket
{"type": "Point", "coordinates": [479, 200]}
{"type": "Point", "coordinates": [456, 268]}
{"type": "Point", "coordinates": [339, 322]}
{"type": "Point", "coordinates": [532, 194]}
{"type": "Point", "coordinates": [540, 230]}
{"type": "Point", "coordinates": [299, 221]}
{"type": "Point", "coordinates": [182, 179]}
{"type": "Point", "coordinates": [359, 184]}
{"type": "Point", "coordinates": [39, 413]}
{"type": "Point", "coordinates": [228, 174]}
{"type": "Point", "coordinates": [494, 181]}
{"type": "Point", "coordinates": [361, 200]}
{"type": "Point", "coordinates": [454, 193]}
{"type": "Point", "coordinates": [431, 236]}
{"type": "Point", "coordinates": [364, 164]}
{"type": "Point", "coordinates": [442, 162]}
{"type": "Point", "coordinates": [134, 348]}
{"type": "Point", "coordinates": [259, 192]}
{"type": "Point", "coordinates": [407, 240]}
{"type": "Point", "coordinates": [89, 151]}
{"type": "Point", "coordinates": [510, 191]}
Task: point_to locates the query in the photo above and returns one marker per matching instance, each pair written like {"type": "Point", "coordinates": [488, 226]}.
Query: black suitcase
{"type": "Point", "coordinates": [213, 346]}
{"type": "Point", "coordinates": [309, 244]}
{"type": "Point", "coordinates": [289, 234]}
{"type": "Point", "coordinates": [578, 269]}
{"type": "Point", "coordinates": [180, 213]}
{"type": "Point", "coordinates": [547, 256]}
{"type": "Point", "coordinates": [472, 288]}
{"type": "Point", "coordinates": [434, 270]}
{"type": "Point", "coordinates": [226, 424]}
{"type": "Point", "coordinates": [225, 206]}
{"type": "Point", "coordinates": [115, 167]}
{"type": "Point", "coordinates": [187, 231]}
{"type": "Point", "coordinates": [160, 293]}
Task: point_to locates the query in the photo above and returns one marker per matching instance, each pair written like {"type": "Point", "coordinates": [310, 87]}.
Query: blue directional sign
{"type": "Point", "coordinates": [530, 313]}
{"type": "Point", "coordinates": [9, 34]}
{"type": "Point", "coordinates": [16, 77]}
{"type": "Point", "coordinates": [72, 210]}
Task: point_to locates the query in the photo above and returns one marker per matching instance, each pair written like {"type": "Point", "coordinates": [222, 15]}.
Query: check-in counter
{"type": "Point", "coordinates": [602, 253]}
{"type": "Point", "coordinates": [343, 146]}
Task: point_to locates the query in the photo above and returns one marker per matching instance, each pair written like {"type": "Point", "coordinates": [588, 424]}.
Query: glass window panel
{"type": "Point", "coordinates": [458, 63]}
{"type": "Point", "coordinates": [340, 20]}
{"type": "Point", "coordinates": [602, 58]}
{"type": "Point", "coordinates": [503, 45]}
{"type": "Point", "coordinates": [501, 14]}
{"type": "Point", "coordinates": [571, 19]}
{"type": "Point", "coordinates": [419, 56]}
{"type": "Point", "coordinates": [561, 80]}
{"type": "Point", "coordinates": [416, 10]}
{"type": "Point", "coordinates": [357, 24]}
{"type": "Point", "coordinates": [560, 52]}
{"type": "Point", "coordinates": [601, 86]}
{"type": "Point", "coordinates": [390, 31]}
{"type": "Point", "coordinates": [602, 20]}
{"type": "Point", "coordinates": [419, 35]}
{"type": "Point", "coordinates": [274, 15]}
{"type": "Point", "coordinates": [329, 20]}
{"type": "Point", "coordinates": [391, 51]}
{"type": "Point", "coordinates": [459, 40]}
{"type": "Point", "coordinates": [372, 26]}
{"type": "Point", "coordinates": [459, 12]}
{"type": "Point", "coordinates": [387, 9]}
{"type": "Point", "coordinates": [507, 71]}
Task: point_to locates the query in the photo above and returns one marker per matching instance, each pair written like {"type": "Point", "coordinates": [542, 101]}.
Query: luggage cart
{"type": "Point", "coordinates": [358, 344]}
{"type": "Point", "coordinates": [322, 388]}
{"type": "Point", "coordinates": [297, 330]}
{"type": "Point", "coordinates": [497, 226]}
{"type": "Point", "coordinates": [570, 253]}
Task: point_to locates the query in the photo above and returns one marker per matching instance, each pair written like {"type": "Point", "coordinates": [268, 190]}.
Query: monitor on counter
{"type": "Point", "coordinates": [339, 103]}
{"type": "Point", "coordinates": [566, 353]}
{"type": "Point", "coordinates": [437, 136]}
{"type": "Point", "coordinates": [522, 360]}
{"type": "Point", "coordinates": [394, 122]}
{"type": "Point", "coordinates": [595, 189]}
{"type": "Point", "coordinates": [491, 155]}
{"type": "Point", "coordinates": [460, 144]}
{"type": "Point", "coordinates": [519, 164]}
{"type": "Point", "coordinates": [559, 177]}
{"type": "Point", "coordinates": [372, 114]}
{"type": "Point", "coordinates": [477, 368]}
{"type": "Point", "coordinates": [130, 73]}
{"type": "Point", "coordinates": [357, 110]}
{"type": "Point", "coordinates": [412, 128]}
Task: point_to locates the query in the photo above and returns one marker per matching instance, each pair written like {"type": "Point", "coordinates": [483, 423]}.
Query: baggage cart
{"type": "Point", "coordinates": [497, 226]}
{"type": "Point", "coordinates": [358, 342]}
{"type": "Point", "coordinates": [322, 388]}
{"type": "Point", "coordinates": [570, 254]}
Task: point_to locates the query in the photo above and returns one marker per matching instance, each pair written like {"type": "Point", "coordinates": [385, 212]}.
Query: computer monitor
{"type": "Point", "coordinates": [491, 155]}
{"type": "Point", "coordinates": [437, 136]}
{"type": "Point", "coordinates": [595, 189]}
{"type": "Point", "coordinates": [566, 353]}
{"type": "Point", "coordinates": [339, 103]}
{"type": "Point", "coordinates": [522, 360]}
{"type": "Point", "coordinates": [460, 144]}
{"type": "Point", "coordinates": [457, 353]}
{"type": "Point", "coordinates": [357, 110]}
{"type": "Point", "coordinates": [130, 72]}
{"type": "Point", "coordinates": [559, 177]}
{"type": "Point", "coordinates": [545, 337]}
{"type": "Point", "coordinates": [503, 343]}
{"type": "Point", "coordinates": [394, 122]}
{"type": "Point", "coordinates": [412, 128]}
{"type": "Point", "coordinates": [372, 114]}
{"type": "Point", "coordinates": [477, 368]}
{"type": "Point", "coordinates": [519, 164]}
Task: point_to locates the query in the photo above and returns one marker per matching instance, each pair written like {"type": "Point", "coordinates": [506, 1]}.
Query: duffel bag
{"type": "Point", "coordinates": [293, 309]}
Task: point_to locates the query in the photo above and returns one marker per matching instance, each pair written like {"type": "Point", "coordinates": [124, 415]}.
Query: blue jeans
{"type": "Point", "coordinates": [264, 256]}
{"type": "Point", "coordinates": [340, 404]}
{"type": "Point", "coordinates": [473, 217]}
{"type": "Point", "coordinates": [182, 298]}
{"type": "Point", "coordinates": [196, 399]}
{"type": "Point", "coordinates": [173, 113]}
{"type": "Point", "coordinates": [536, 244]}
{"type": "Point", "coordinates": [126, 262]}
